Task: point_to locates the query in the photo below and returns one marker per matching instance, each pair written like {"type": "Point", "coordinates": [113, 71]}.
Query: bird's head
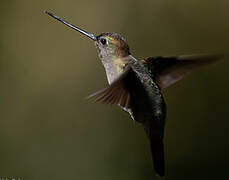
{"type": "Point", "coordinates": [112, 49]}
{"type": "Point", "coordinates": [111, 45]}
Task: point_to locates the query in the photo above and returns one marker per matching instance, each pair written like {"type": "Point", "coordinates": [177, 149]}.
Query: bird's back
{"type": "Point", "coordinates": [148, 107]}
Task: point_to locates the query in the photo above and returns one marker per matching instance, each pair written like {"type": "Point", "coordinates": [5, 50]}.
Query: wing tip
{"type": "Point", "coordinates": [203, 56]}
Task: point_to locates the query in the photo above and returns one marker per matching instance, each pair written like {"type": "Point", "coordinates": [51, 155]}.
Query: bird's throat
{"type": "Point", "coordinates": [114, 67]}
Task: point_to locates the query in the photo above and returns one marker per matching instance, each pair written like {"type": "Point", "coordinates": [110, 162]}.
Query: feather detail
{"type": "Point", "coordinates": [168, 70]}
{"type": "Point", "coordinates": [116, 93]}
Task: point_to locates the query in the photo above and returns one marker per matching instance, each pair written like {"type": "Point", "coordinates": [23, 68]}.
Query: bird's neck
{"type": "Point", "coordinates": [114, 67]}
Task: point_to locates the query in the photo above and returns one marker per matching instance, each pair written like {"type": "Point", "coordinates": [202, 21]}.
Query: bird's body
{"type": "Point", "coordinates": [136, 85]}
{"type": "Point", "coordinates": [133, 88]}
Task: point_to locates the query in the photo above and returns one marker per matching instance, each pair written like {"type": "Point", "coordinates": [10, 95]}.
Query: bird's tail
{"type": "Point", "coordinates": [157, 150]}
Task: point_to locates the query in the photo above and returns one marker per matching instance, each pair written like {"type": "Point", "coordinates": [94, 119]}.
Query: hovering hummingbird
{"type": "Point", "coordinates": [135, 85]}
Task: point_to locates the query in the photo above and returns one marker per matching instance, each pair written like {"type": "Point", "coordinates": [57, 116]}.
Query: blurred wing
{"type": "Point", "coordinates": [168, 70]}
{"type": "Point", "coordinates": [117, 92]}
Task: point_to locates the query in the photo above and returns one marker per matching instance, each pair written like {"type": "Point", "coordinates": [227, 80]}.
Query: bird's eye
{"type": "Point", "coordinates": [103, 41]}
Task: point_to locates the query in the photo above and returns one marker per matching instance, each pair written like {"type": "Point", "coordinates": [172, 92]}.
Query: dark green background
{"type": "Point", "coordinates": [49, 131]}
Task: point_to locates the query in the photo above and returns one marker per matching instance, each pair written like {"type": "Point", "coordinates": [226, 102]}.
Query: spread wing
{"type": "Point", "coordinates": [168, 70]}
{"type": "Point", "coordinates": [117, 92]}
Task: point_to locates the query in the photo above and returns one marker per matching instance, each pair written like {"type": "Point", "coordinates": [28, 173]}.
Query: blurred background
{"type": "Point", "coordinates": [48, 130]}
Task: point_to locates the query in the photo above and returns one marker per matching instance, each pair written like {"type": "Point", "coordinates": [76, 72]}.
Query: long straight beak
{"type": "Point", "coordinates": [92, 36]}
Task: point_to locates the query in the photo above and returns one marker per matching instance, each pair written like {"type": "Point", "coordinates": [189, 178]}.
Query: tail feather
{"type": "Point", "coordinates": [157, 150]}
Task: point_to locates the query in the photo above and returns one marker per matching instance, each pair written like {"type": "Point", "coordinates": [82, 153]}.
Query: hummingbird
{"type": "Point", "coordinates": [136, 85]}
